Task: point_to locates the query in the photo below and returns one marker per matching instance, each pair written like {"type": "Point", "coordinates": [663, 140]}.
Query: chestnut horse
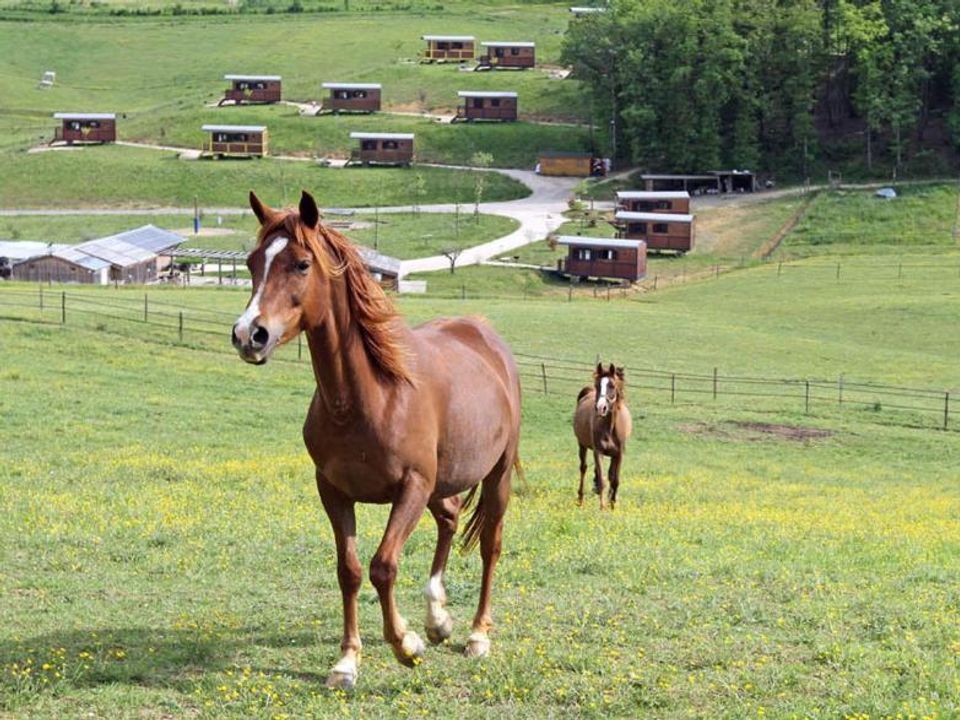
{"type": "Point", "coordinates": [410, 417]}
{"type": "Point", "coordinates": [602, 423]}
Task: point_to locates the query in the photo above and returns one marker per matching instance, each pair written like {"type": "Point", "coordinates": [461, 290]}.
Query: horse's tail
{"type": "Point", "coordinates": [471, 531]}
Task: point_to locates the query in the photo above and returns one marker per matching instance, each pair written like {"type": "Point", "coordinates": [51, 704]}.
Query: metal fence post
{"type": "Point", "coordinates": [838, 272]}
{"type": "Point", "coordinates": [946, 409]}
{"type": "Point", "coordinates": [41, 300]}
{"type": "Point", "coordinates": [714, 383]}
{"type": "Point", "coordinates": [543, 371]}
{"type": "Point", "coordinates": [779, 268]}
{"type": "Point", "coordinates": [300, 346]}
{"type": "Point", "coordinates": [655, 278]}
{"type": "Point", "coordinates": [63, 308]}
{"type": "Point", "coordinates": [145, 313]}
{"type": "Point", "coordinates": [840, 390]}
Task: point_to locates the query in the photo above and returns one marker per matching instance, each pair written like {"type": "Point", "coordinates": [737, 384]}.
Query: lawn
{"type": "Point", "coordinates": [165, 553]}
{"type": "Point", "coordinates": [129, 177]}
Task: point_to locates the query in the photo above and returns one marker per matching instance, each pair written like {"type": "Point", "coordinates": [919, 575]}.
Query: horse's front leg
{"type": "Point", "coordinates": [439, 624]}
{"type": "Point", "coordinates": [407, 646]}
{"type": "Point", "coordinates": [614, 477]}
{"type": "Point", "coordinates": [598, 478]}
{"type": "Point", "coordinates": [340, 511]}
{"type": "Point", "coordinates": [583, 471]}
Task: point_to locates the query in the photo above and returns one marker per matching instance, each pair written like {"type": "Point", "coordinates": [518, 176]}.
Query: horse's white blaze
{"type": "Point", "coordinates": [253, 309]}
{"type": "Point", "coordinates": [602, 395]}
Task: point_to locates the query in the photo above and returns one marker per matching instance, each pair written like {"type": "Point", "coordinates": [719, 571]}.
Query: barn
{"type": "Point", "coordinates": [603, 258]}
{"type": "Point", "coordinates": [487, 105]}
{"type": "Point", "coordinates": [128, 257]}
{"type": "Point", "coordinates": [660, 231]}
{"type": "Point", "coordinates": [252, 89]}
{"type": "Point", "coordinates": [382, 148]}
{"type": "Point", "coordinates": [658, 202]}
{"type": "Point", "coordinates": [79, 127]}
{"type": "Point", "coordinates": [235, 141]}
{"type": "Point", "coordinates": [499, 55]}
{"type": "Point", "coordinates": [445, 48]}
{"type": "Point", "coordinates": [709, 183]}
{"type": "Point", "coordinates": [351, 97]}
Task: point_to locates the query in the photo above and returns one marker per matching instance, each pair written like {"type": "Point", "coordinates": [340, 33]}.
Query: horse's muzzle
{"type": "Point", "coordinates": [251, 343]}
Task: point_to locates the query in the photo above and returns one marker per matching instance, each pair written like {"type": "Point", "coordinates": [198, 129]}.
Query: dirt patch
{"type": "Point", "coordinates": [756, 432]}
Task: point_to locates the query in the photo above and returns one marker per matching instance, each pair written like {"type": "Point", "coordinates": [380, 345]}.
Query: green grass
{"type": "Point", "coordinates": [125, 177]}
{"type": "Point", "coordinates": [404, 235]}
{"type": "Point", "coordinates": [165, 553]}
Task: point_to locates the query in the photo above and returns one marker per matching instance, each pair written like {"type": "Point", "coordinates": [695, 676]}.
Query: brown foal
{"type": "Point", "coordinates": [602, 423]}
{"type": "Point", "coordinates": [412, 417]}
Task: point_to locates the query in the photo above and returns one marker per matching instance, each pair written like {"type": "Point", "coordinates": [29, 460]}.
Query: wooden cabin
{"type": "Point", "coordinates": [446, 48]}
{"type": "Point", "coordinates": [581, 12]}
{"type": "Point", "coordinates": [603, 258]}
{"type": "Point", "coordinates": [86, 128]}
{"type": "Point", "coordinates": [572, 164]}
{"type": "Point", "coordinates": [382, 148]}
{"type": "Point", "coordinates": [499, 55]}
{"type": "Point", "coordinates": [660, 231]}
{"type": "Point", "coordinates": [487, 105]}
{"type": "Point", "coordinates": [252, 89]}
{"type": "Point", "coordinates": [236, 140]}
{"type": "Point", "coordinates": [654, 202]}
{"type": "Point", "coordinates": [352, 97]}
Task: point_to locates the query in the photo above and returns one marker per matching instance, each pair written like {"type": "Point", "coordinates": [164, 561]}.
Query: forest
{"type": "Point", "coordinates": [790, 88]}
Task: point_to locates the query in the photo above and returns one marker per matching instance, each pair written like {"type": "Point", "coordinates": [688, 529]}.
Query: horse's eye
{"type": "Point", "coordinates": [303, 266]}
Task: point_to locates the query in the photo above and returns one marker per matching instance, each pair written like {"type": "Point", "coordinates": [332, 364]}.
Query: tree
{"type": "Point", "coordinates": [480, 159]}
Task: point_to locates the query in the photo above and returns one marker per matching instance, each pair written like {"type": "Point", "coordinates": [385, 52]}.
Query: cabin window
{"type": "Point", "coordinates": [478, 103]}
{"type": "Point", "coordinates": [583, 254]}
{"type": "Point", "coordinates": [74, 125]}
{"type": "Point", "coordinates": [660, 227]}
{"type": "Point", "coordinates": [514, 51]}
{"type": "Point", "coordinates": [368, 145]}
{"type": "Point", "coordinates": [259, 86]}
{"type": "Point", "coordinates": [639, 228]}
{"type": "Point", "coordinates": [498, 52]}
{"type": "Point", "coordinates": [223, 137]}
{"type": "Point", "coordinates": [456, 45]}
{"type": "Point", "coordinates": [644, 206]}
{"type": "Point", "coordinates": [607, 255]}
{"type": "Point", "coordinates": [391, 145]}
{"type": "Point", "coordinates": [360, 94]}
{"type": "Point", "coordinates": [243, 86]}
{"type": "Point", "coordinates": [494, 102]}
{"type": "Point", "coordinates": [663, 205]}
{"type": "Point", "coordinates": [341, 95]}
{"type": "Point", "coordinates": [443, 45]}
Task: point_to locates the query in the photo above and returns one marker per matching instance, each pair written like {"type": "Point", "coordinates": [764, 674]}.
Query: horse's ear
{"type": "Point", "coordinates": [263, 212]}
{"type": "Point", "coordinates": [309, 213]}
{"type": "Point", "coordinates": [599, 371]}
{"type": "Point", "coordinates": [612, 370]}
{"type": "Point", "coordinates": [620, 372]}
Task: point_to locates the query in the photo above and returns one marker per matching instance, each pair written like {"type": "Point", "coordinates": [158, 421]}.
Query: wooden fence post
{"type": "Point", "coordinates": [180, 326]}
{"type": "Point", "coordinates": [543, 372]}
{"type": "Point", "coordinates": [63, 308]}
{"type": "Point", "coordinates": [570, 292]}
{"type": "Point", "coordinates": [946, 409]}
{"type": "Point", "coordinates": [806, 397]}
{"type": "Point", "coordinates": [673, 388]}
{"type": "Point", "coordinates": [463, 291]}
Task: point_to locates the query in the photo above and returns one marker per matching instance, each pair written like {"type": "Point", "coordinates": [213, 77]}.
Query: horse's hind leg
{"type": "Point", "coordinates": [494, 498]}
{"type": "Point", "coordinates": [340, 511]}
{"type": "Point", "coordinates": [439, 624]}
{"type": "Point", "coordinates": [407, 646]}
{"type": "Point", "coordinates": [583, 471]}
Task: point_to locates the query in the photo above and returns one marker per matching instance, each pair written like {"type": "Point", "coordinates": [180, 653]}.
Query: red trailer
{"type": "Point", "coordinates": [382, 148]}
{"type": "Point", "coordinates": [443, 48]}
{"type": "Point", "coordinates": [498, 55]}
{"type": "Point", "coordinates": [351, 97]}
{"type": "Point", "coordinates": [86, 128]}
{"type": "Point", "coordinates": [655, 202]}
{"type": "Point", "coordinates": [236, 140]}
{"type": "Point", "coordinates": [487, 105]}
{"type": "Point", "coordinates": [603, 258]}
{"type": "Point", "coordinates": [252, 89]}
{"type": "Point", "coordinates": [661, 231]}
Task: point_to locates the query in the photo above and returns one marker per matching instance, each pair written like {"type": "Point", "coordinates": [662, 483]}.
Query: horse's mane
{"type": "Point", "coordinates": [373, 313]}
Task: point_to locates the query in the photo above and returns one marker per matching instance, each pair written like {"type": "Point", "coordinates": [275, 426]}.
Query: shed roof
{"type": "Point", "coordinates": [234, 128]}
{"type": "Point", "coordinates": [587, 10]}
{"type": "Point", "coordinates": [263, 78]}
{"type": "Point", "coordinates": [378, 262]}
{"type": "Point", "coordinates": [17, 250]}
{"type": "Point", "coordinates": [486, 94]}
{"type": "Point", "coordinates": [578, 241]}
{"type": "Point", "coordinates": [449, 38]}
{"type": "Point", "coordinates": [381, 136]}
{"type": "Point", "coordinates": [351, 86]}
{"type": "Point", "coordinates": [654, 217]}
{"type": "Point", "coordinates": [130, 247]}
{"type": "Point", "coordinates": [678, 177]}
{"type": "Point", "coordinates": [84, 116]}
{"type": "Point", "coordinates": [653, 195]}
{"type": "Point", "coordinates": [505, 44]}
{"type": "Point", "coordinates": [78, 257]}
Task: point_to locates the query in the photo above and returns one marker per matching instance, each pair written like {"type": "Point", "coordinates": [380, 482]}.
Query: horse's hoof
{"type": "Point", "coordinates": [580, 501]}
{"type": "Point", "coordinates": [411, 649]}
{"type": "Point", "coordinates": [436, 634]}
{"type": "Point", "coordinates": [478, 645]}
{"type": "Point", "coordinates": [344, 679]}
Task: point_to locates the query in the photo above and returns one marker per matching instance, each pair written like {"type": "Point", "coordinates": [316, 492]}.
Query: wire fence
{"type": "Point", "coordinates": [207, 329]}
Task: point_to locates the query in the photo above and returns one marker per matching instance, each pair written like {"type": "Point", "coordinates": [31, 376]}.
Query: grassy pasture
{"type": "Point", "coordinates": [130, 177]}
{"type": "Point", "coordinates": [165, 554]}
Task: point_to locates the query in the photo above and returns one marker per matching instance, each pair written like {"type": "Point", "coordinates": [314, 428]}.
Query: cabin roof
{"type": "Point", "coordinates": [579, 241]}
{"type": "Point", "coordinates": [265, 78]}
{"type": "Point", "coordinates": [19, 250]}
{"type": "Point", "coordinates": [381, 136]}
{"type": "Point", "coordinates": [653, 217]}
{"type": "Point", "coordinates": [486, 94]}
{"type": "Point", "coordinates": [504, 43]}
{"type": "Point", "coordinates": [351, 86]}
{"type": "Point", "coordinates": [580, 10]}
{"type": "Point", "coordinates": [678, 177]}
{"type": "Point", "coordinates": [234, 128]}
{"type": "Point", "coordinates": [84, 116]}
{"type": "Point", "coordinates": [653, 195]}
{"type": "Point", "coordinates": [449, 38]}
